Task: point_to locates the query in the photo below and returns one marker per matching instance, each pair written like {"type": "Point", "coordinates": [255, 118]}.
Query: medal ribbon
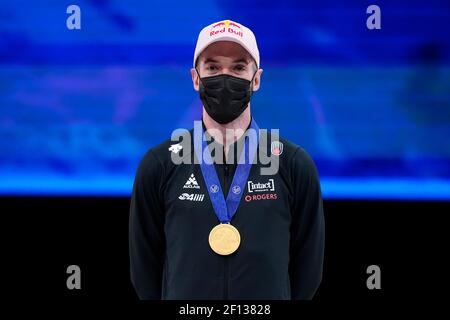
{"type": "Point", "coordinates": [225, 209]}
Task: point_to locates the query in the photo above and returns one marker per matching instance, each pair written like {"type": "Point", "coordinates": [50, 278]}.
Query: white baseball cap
{"type": "Point", "coordinates": [227, 30]}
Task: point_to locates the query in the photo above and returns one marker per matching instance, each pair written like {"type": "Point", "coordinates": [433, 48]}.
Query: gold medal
{"type": "Point", "coordinates": [224, 239]}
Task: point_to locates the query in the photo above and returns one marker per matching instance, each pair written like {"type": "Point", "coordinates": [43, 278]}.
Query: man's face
{"type": "Point", "coordinates": [226, 57]}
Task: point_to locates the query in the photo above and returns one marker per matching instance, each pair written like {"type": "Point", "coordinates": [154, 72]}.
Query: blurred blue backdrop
{"type": "Point", "coordinates": [79, 108]}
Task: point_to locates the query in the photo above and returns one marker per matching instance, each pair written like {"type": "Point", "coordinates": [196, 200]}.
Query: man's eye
{"type": "Point", "coordinates": [211, 68]}
{"type": "Point", "coordinates": [239, 67]}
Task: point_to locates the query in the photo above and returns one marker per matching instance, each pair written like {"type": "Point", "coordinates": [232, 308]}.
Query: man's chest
{"type": "Point", "coordinates": [264, 198]}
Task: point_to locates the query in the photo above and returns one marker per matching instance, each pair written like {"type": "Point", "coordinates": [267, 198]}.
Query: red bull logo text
{"type": "Point", "coordinates": [229, 30]}
{"type": "Point", "coordinates": [226, 26]}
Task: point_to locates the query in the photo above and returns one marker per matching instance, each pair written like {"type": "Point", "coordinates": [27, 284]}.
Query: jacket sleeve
{"type": "Point", "coordinates": [146, 229]}
{"type": "Point", "coordinates": [307, 239]}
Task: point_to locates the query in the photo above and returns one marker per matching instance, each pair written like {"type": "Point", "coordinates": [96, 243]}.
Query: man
{"type": "Point", "coordinates": [222, 229]}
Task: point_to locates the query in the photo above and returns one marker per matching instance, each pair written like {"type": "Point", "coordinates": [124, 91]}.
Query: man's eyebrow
{"type": "Point", "coordinates": [246, 61]}
{"type": "Point", "coordinates": [210, 60]}
{"type": "Point", "coordinates": [241, 60]}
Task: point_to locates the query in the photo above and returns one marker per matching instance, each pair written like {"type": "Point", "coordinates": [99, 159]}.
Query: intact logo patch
{"type": "Point", "coordinates": [261, 187]}
{"type": "Point", "coordinates": [191, 183]}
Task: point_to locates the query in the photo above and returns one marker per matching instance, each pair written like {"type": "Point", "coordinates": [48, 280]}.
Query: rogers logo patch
{"type": "Point", "coordinates": [257, 197]}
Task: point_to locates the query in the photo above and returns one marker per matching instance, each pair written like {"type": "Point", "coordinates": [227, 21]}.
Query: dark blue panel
{"type": "Point", "coordinates": [78, 108]}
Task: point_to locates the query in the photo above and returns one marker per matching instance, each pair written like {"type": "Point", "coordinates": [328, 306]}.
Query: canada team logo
{"type": "Point", "coordinates": [276, 148]}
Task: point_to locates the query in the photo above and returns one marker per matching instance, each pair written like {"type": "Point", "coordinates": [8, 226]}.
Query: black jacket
{"type": "Point", "coordinates": [280, 220]}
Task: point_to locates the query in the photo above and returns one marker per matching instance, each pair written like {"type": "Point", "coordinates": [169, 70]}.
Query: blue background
{"type": "Point", "coordinates": [79, 108]}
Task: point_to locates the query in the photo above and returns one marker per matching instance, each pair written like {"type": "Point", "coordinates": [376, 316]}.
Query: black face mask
{"type": "Point", "coordinates": [225, 97]}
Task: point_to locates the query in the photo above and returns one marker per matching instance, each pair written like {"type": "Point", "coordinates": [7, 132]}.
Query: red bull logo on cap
{"type": "Point", "coordinates": [226, 26]}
